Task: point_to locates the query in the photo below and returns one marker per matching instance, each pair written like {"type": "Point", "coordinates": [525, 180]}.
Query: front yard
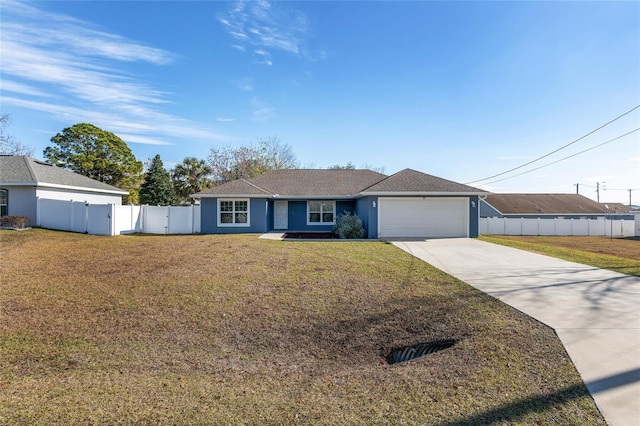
{"type": "Point", "coordinates": [207, 329]}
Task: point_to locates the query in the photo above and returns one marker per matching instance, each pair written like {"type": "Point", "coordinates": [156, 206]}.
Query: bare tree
{"type": "Point", "coordinates": [8, 144]}
{"type": "Point", "coordinates": [351, 166]}
{"type": "Point", "coordinates": [229, 163]}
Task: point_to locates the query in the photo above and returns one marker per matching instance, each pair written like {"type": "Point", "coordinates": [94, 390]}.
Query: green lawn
{"type": "Point", "coordinates": [209, 329]}
{"type": "Point", "coordinates": [616, 254]}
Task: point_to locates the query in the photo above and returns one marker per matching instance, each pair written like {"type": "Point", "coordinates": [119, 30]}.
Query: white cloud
{"type": "Point", "coordinates": [266, 27]}
{"type": "Point", "coordinates": [155, 126]}
{"type": "Point", "coordinates": [245, 84]}
{"type": "Point", "coordinates": [261, 112]}
{"type": "Point", "coordinates": [142, 139]}
{"type": "Point", "coordinates": [68, 68]}
{"type": "Point", "coordinates": [224, 120]}
{"type": "Point", "coordinates": [20, 88]}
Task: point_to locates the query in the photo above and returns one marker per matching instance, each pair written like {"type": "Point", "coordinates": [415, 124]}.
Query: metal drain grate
{"type": "Point", "coordinates": [422, 349]}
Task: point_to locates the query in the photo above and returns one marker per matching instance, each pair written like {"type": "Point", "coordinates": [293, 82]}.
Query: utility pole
{"type": "Point", "coordinates": [598, 190]}
{"type": "Point", "coordinates": [630, 198]}
{"type": "Point", "coordinates": [577, 188]}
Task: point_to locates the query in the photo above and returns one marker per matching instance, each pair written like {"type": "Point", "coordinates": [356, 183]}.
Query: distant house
{"type": "Point", "coordinates": [408, 204]}
{"type": "Point", "coordinates": [23, 180]}
{"type": "Point", "coordinates": [549, 206]}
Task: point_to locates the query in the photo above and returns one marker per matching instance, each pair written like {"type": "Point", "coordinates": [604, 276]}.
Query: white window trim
{"type": "Point", "coordinates": [6, 199]}
{"type": "Point", "coordinates": [321, 213]}
{"type": "Point", "coordinates": [219, 213]}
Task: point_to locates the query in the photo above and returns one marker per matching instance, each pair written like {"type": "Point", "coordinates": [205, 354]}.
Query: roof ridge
{"type": "Point", "coordinates": [32, 172]}
{"type": "Point", "coordinates": [380, 181]}
{"type": "Point", "coordinates": [256, 186]}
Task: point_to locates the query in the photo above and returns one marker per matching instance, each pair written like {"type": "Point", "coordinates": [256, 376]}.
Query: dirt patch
{"type": "Point", "coordinates": [311, 235]}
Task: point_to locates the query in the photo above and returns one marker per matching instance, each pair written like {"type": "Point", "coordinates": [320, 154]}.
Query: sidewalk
{"type": "Point", "coordinates": [595, 313]}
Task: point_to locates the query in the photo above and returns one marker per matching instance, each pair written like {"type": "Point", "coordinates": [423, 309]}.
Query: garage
{"type": "Point", "coordinates": [423, 217]}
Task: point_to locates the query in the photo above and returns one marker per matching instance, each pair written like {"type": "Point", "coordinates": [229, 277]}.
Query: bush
{"type": "Point", "coordinates": [14, 222]}
{"type": "Point", "coordinates": [348, 226]}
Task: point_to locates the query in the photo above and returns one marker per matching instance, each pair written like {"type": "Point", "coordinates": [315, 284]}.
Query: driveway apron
{"type": "Point", "coordinates": [595, 313]}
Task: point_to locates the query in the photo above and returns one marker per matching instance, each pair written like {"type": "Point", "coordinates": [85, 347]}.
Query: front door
{"type": "Point", "coordinates": [281, 215]}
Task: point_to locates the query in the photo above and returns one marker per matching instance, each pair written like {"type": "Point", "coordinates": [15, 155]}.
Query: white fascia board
{"type": "Point", "coordinates": [80, 188]}
{"type": "Point", "coordinates": [231, 196]}
{"type": "Point", "coordinates": [278, 196]}
{"type": "Point", "coordinates": [315, 197]}
{"type": "Point", "coordinates": [422, 194]}
{"type": "Point", "coordinates": [559, 214]}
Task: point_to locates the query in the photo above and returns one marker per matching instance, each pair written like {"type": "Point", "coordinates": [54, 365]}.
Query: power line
{"type": "Point", "coordinates": [553, 152]}
{"type": "Point", "coordinates": [562, 159]}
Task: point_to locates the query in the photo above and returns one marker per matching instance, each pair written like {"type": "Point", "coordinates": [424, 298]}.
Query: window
{"type": "Point", "coordinates": [233, 212]}
{"type": "Point", "coordinates": [321, 212]}
{"type": "Point", "coordinates": [4, 202]}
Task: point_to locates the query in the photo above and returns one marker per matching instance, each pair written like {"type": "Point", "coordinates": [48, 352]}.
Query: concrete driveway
{"type": "Point", "coordinates": [596, 313]}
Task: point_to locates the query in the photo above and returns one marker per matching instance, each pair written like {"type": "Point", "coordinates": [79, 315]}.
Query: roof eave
{"type": "Point", "coordinates": [422, 193]}
{"type": "Point", "coordinates": [18, 183]}
{"type": "Point", "coordinates": [279, 196]}
{"type": "Point", "coordinates": [80, 188]}
{"type": "Point", "coordinates": [561, 214]}
{"type": "Point", "coordinates": [199, 196]}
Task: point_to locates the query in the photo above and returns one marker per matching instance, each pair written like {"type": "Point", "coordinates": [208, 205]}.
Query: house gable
{"type": "Point", "coordinates": [412, 182]}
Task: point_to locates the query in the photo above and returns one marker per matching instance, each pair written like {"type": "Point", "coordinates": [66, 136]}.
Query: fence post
{"type": "Point", "coordinates": [111, 219]}
{"type": "Point", "coordinates": [86, 218]}
{"type": "Point", "coordinates": [193, 219]}
{"type": "Point", "coordinates": [70, 215]}
{"type": "Point", "coordinates": [166, 228]}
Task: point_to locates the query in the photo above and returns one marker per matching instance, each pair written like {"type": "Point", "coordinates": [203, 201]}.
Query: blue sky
{"type": "Point", "coordinates": [460, 90]}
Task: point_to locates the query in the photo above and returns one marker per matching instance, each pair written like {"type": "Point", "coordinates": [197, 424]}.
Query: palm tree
{"type": "Point", "coordinates": [189, 177]}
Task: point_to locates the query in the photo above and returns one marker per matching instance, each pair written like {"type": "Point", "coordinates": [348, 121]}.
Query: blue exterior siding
{"type": "Point", "coordinates": [298, 216]}
{"type": "Point", "coordinates": [257, 218]}
{"type": "Point", "coordinates": [474, 216]}
{"type": "Point", "coordinates": [369, 215]}
{"type": "Point", "coordinates": [261, 217]}
{"type": "Point", "coordinates": [487, 210]}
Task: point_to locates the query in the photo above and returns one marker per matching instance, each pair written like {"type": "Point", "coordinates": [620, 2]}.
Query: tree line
{"type": "Point", "coordinates": [102, 155]}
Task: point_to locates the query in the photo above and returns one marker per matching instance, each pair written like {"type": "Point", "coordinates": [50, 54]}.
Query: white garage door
{"type": "Point", "coordinates": [423, 217]}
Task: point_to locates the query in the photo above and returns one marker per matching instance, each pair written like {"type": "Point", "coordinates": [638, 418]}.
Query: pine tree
{"type": "Point", "coordinates": [157, 189]}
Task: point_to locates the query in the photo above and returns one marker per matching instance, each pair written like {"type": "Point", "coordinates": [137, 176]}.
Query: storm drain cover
{"type": "Point", "coordinates": [421, 349]}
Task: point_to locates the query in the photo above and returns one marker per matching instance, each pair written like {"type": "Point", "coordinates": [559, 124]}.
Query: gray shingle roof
{"type": "Point", "coordinates": [409, 180]}
{"type": "Point", "coordinates": [336, 183]}
{"type": "Point", "coordinates": [544, 204]}
{"type": "Point", "coordinates": [16, 170]}
{"type": "Point", "coordinates": [301, 183]}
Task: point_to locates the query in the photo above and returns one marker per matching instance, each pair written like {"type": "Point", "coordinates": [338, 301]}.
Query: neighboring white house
{"type": "Point", "coordinates": [23, 180]}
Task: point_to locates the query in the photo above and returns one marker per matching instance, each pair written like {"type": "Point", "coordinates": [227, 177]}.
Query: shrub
{"type": "Point", "coordinates": [348, 226]}
{"type": "Point", "coordinates": [14, 222]}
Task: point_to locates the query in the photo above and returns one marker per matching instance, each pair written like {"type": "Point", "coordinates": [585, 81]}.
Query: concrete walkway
{"type": "Point", "coordinates": [596, 313]}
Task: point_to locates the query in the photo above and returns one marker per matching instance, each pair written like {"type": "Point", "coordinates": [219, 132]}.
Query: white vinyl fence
{"type": "Point", "coordinates": [577, 227]}
{"type": "Point", "coordinates": [111, 219]}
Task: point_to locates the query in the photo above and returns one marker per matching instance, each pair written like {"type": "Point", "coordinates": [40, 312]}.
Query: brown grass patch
{"type": "Point", "coordinates": [234, 329]}
{"type": "Point", "coordinates": [616, 254]}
